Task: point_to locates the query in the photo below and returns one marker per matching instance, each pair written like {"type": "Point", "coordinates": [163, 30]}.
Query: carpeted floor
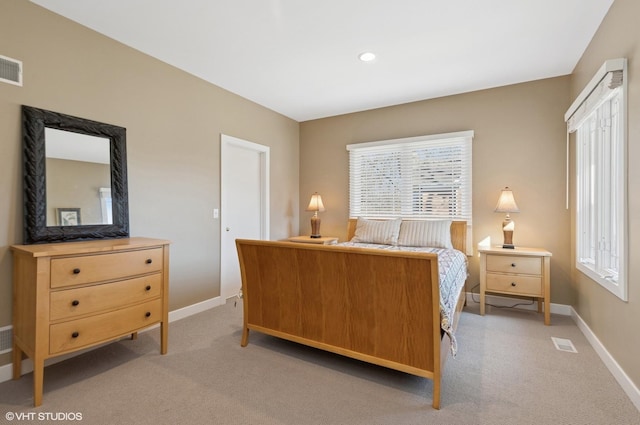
{"type": "Point", "coordinates": [507, 372]}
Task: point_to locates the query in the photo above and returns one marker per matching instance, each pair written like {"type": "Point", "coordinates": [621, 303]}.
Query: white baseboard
{"type": "Point", "coordinates": [6, 371]}
{"type": "Point", "coordinates": [474, 297]}
{"type": "Point", "coordinates": [618, 373]}
{"type": "Point", "coordinates": [192, 309]}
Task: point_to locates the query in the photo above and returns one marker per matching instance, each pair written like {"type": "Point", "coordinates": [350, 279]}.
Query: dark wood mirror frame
{"type": "Point", "coordinates": [34, 121]}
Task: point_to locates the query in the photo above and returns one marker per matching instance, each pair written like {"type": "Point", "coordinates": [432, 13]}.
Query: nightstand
{"type": "Point", "coordinates": [324, 240]}
{"type": "Point", "coordinates": [520, 271]}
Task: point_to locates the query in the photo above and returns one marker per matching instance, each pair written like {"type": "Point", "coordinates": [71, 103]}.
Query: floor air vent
{"type": "Point", "coordinates": [563, 344]}
{"type": "Point", "coordinates": [6, 341]}
{"type": "Point", "coordinates": [10, 71]}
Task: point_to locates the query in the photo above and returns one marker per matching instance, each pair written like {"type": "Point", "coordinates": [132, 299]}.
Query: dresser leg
{"type": "Point", "coordinates": [134, 336]}
{"type": "Point", "coordinates": [164, 336]}
{"type": "Point", "coordinates": [17, 361]}
{"type": "Point", "coordinates": [38, 375]}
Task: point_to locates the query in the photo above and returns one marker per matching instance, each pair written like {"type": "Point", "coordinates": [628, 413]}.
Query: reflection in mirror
{"type": "Point", "coordinates": [78, 178]}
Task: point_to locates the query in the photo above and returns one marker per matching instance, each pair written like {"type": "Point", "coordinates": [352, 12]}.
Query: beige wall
{"type": "Point", "coordinates": [173, 123]}
{"type": "Point", "coordinates": [615, 322]}
{"type": "Point", "coordinates": [519, 142]}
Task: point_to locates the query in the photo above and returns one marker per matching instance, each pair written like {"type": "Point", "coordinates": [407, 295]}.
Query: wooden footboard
{"type": "Point", "coordinates": [377, 306]}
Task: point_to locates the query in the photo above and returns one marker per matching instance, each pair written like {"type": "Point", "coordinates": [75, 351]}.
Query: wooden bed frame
{"type": "Point", "coordinates": [377, 306]}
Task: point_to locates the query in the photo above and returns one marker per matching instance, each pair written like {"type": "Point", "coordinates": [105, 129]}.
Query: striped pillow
{"type": "Point", "coordinates": [377, 231]}
{"type": "Point", "coordinates": [431, 233]}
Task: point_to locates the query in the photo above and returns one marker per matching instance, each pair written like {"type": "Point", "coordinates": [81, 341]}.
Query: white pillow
{"type": "Point", "coordinates": [377, 231]}
{"type": "Point", "coordinates": [431, 233]}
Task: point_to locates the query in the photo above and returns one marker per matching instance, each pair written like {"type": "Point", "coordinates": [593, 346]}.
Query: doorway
{"type": "Point", "coordinates": [244, 204]}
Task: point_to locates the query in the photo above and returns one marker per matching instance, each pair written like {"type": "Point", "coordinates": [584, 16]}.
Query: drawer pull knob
{"type": "Point", "coordinates": [76, 271]}
{"type": "Point", "coordinates": [75, 303]}
{"type": "Point", "coordinates": [75, 335]}
{"type": "Point", "coordinates": [513, 284]}
{"type": "Point", "coordinates": [149, 261]}
{"type": "Point", "coordinates": [513, 264]}
{"type": "Point", "coordinates": [147, 314]}
{"type": "Point", "coordinates": [148, 288]}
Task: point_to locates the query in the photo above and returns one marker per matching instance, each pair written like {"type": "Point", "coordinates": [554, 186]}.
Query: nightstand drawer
{"type": "Point", "coordinates": [514, 264]}
{"type": "Point", "coordinates": [515, 284]}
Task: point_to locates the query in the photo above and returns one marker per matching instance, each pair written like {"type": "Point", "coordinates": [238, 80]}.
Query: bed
{"type": "Point", "coordinates": [372, 301]}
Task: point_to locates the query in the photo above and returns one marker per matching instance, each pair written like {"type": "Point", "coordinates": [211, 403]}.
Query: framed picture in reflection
{"type": "Point", "coordinates": [69, 217]}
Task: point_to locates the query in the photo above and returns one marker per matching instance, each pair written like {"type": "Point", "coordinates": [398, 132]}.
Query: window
{"type": "Point", "coordinates": [599, 123]}
{"type": "Point", "coordinates": [426, 177]}
{"type": "Point", "coordinates": [106, 205]}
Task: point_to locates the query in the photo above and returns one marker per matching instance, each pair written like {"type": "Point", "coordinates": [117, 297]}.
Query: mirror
{"type": "Point", "coordinates": [75, 178]}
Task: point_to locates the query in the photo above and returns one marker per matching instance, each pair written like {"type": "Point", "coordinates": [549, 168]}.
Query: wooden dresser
{"type": "Point", "coordinates": [73, 295]}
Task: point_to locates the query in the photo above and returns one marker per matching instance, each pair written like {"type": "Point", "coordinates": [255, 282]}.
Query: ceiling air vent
{"type": "Point", "coordinates": [10, 71]}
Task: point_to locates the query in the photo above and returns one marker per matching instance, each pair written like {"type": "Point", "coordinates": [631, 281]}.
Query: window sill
{"type": "Point", "coordinates": [617, 288]}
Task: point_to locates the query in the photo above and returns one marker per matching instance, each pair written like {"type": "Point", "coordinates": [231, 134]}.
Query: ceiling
{"type": "Point", "coordinates": [300, 57]}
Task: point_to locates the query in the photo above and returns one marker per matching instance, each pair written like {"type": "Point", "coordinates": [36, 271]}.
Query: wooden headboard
{"type": "Point", "coordinates": [458, 233]}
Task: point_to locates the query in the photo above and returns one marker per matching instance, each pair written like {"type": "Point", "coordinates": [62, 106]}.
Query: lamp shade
{"type": "Point", "coordinates": [315, 204]}
{"type": "Point", "coordinates": [506, 202]}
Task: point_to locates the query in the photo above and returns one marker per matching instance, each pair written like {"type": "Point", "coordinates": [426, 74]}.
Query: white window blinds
{"type": "Point", "coordinates": [419, 177]}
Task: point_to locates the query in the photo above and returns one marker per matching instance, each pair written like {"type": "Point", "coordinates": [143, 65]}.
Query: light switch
{"type": "Point", "coordinates": [216, 213]}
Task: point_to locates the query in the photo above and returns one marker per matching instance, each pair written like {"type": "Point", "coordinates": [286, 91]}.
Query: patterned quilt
{"type": "Point", "coordinates": [453, 270]}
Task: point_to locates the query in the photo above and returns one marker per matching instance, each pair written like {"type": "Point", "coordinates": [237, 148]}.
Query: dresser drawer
{"type": "Point", "coordinates": [80, 270]}
{"type": "Point", "coordinates": [70, 303]}
{"type": "Point", "coordinates": [514, 264]}
{"type": "Point", "coordinates": [74, 334]}
{"type": "Point", "coordinates": [515, 284]}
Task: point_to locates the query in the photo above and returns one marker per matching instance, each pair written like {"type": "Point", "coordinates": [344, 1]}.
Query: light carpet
{"type": "Point", "coordinates": [507, 371]}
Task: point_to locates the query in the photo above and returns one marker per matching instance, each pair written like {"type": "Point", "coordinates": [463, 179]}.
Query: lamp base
{"type": "Point", "coordinates": [315, 226]}
{"type": "Point", "coordinates": [507, 231]}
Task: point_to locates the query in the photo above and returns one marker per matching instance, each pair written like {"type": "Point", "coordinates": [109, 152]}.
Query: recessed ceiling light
{"type": "Point", "coordinates": [367, 56]}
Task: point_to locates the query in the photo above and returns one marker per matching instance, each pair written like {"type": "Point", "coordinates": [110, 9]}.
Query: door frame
{"type": "Point", "coordinates": [225, 142]}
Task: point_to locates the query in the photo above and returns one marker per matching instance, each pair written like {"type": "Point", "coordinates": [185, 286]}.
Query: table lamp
{"type": "Point", "coordinates": [315, 205]}
{"type": "Point", "coordinates": [507, 204]}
